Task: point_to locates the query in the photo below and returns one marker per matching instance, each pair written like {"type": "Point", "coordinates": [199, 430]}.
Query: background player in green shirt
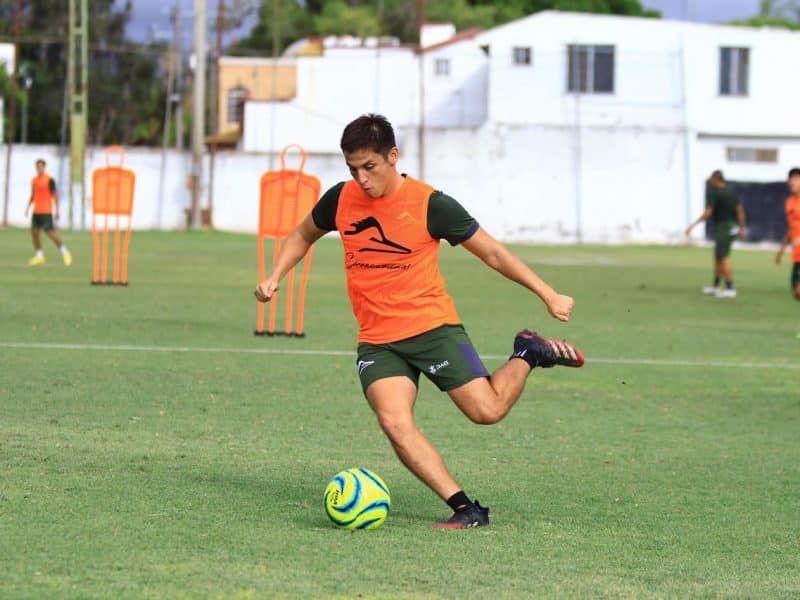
{"type": "Point", "coordinates": [724, 207]}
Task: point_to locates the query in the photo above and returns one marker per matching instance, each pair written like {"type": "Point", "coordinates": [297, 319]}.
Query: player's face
{"type": "Point", "coordinates": [39, 168]}
{"type": "Point", "coordinates": [794, 184]}
{"type": "Point", "coordinates": [375, 173]}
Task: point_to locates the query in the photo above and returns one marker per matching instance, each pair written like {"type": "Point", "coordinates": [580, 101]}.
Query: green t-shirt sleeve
{"type": "Point", "coordinates": [448, 220]}
{"type": "Point", "coordinates": [324, 211]}
{"type": "Point", "coordinates": [52, 185]}
{"type": "Point", "coordinates": [711, 196]}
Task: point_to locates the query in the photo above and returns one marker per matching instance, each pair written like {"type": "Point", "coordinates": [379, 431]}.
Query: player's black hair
{"type": "Point", "coordinates": [40, 160]}
{"type": "Point", "coordinates": [794, 171]}
{"type": "Point", "coordinates": [368, 132]}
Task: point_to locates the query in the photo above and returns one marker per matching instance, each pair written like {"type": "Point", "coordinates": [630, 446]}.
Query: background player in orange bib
{"type": "Point", "coordinates": [44, 199]}
{"type": "Point", "coordinates": [792, 237]}
{"type": "Point", "coordinates": [391, 225]}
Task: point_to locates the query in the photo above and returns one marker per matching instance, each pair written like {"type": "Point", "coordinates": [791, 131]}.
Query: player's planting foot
{"type": "Point", "coordinates": [709, 290]}
{"type": "Point", "coordinates": [538, 351]}
{"type": "Point", "coordinates": [726, 293]}
{"type": "Point", "coordinates": [473, 516]}
{"type": "Point", "coordinates": [36, 260]}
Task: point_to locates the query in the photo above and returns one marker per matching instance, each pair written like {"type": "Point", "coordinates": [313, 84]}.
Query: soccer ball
{"type": "Point", "coordinates": [357, 499]}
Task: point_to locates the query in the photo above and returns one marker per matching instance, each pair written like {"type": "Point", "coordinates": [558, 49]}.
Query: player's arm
{"type": "Point", "coordinates": [293, 249]}
{"type": "Point", "coordinates": [784, 243]}
{"type": "Point", "coordinates": [703, 217]}
{"type": "Point", "coordinates": [742, 221]}
{"type": "Point", "coordinates": [30, 202]}
{"type": "Point", "coordinates": [499, 258]}
{"type": "Point", "coordinates": [54, 191]}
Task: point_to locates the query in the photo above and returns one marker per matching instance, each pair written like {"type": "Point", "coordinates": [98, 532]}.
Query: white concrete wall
{"type": "Point", "coordinates": [151, 209]}
{"type": "Point", "coordinates": [459, 99]}
{"type": "Point", "coordinates": [332, 91]}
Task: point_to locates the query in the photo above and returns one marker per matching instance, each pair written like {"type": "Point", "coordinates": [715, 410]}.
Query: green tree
{"type": "Point", "coordinates": [399, 17]}
{"type": "Point", "coordinates": [294, 22]}
{"type": "Point", "coordinates": [775, 13]}
{"type": "Point", "coordinates": [126, 97]}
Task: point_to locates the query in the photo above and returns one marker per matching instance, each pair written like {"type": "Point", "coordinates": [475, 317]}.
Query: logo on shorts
{"type": "Point", "coordinates": [363, 364]}
{"type": "Point", "coordinates": [433, 369]}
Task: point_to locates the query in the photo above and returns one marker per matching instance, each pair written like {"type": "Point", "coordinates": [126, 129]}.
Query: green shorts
{"type": "Point", "coordinates": [722, 247]}
{"type": "Point", "coordinates": [445, 354]}
{"type": "Point", "coordinates": [795, 275]}
{"type": "Point", "coordinates": [42, 221]}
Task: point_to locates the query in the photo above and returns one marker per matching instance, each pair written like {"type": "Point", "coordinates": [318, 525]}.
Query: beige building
{"type": "Point", "coordinates": [245, 78]}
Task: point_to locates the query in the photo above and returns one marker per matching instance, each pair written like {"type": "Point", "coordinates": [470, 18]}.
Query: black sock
{"type": "Point", "coordinates": [716, 281]}
{"type": "Point", "coordinates": [729, 284]}
{"type": "Point", "coordinates": [459, 501]}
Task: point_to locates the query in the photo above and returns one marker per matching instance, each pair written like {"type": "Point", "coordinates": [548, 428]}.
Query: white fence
{"type": "Point", "coordinates": [530, 184]}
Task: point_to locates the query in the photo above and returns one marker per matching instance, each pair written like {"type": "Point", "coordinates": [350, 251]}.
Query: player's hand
{"type": "Point", "coordinates": [265, 290]}
{"type": "Point", "coordinates": [778, 256]}
{"type": "Point", "coordinates": [560, 307]}
{"type": "Point", "coordinates": [742, 234]}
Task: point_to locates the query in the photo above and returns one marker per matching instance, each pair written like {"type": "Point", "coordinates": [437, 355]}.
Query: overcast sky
{"type": "Point", "coordinates": [152, 16]}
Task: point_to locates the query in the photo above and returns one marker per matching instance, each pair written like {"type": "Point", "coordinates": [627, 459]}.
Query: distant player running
{"type": "Point", "coordinates": [44, 199]}
{"type": "Point", "coordinates": [390, 226]}
{"type": "Point", "coordinates": [792, 237]}
{"type": "Point", "coordinates": [724, 207]}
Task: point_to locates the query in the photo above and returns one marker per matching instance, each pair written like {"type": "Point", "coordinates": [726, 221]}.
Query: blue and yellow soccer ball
{"type": "Point", "coordinates": [357, 499]}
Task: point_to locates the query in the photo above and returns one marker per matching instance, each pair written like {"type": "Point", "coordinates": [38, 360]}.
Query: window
{"type": "Point", "coordinates": [759, 155]}
{"type": "Point", "coordinates": [236, 98]}
{"type": "Point", "coordinates": [521, 55]}
{"type": "Point", "coordinates": [590, 69]}
{"type": "Point", "coordinates": [734, 71]}
{"type": "Point", "coordinates": [441, 67]}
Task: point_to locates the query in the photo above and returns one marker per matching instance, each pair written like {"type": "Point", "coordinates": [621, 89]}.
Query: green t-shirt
{"type": "Point", "coordinates": [724, 203]}
{"type": "Point", "coordinates": [447, 219]}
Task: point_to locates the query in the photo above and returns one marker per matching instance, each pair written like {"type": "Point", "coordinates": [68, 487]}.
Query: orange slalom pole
{"type": "Point", "coordinates": [261, 277]}
{"type": "Point", "coordinates": [301, 295]}
{"type": "Point", "coordinates": [289, 301]}
{"type": "Point", "coordinates": [95, 247]}
{"type": "Point", "coordinates": [116, 188]}
{"type": "Point", "coordinates": [125, 253]}
{"type": "Point", "coordinates": [104, 249]}
{"type": "Point", "coordinates": [273, 303]}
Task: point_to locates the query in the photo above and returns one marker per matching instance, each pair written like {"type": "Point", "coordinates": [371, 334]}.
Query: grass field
{"type": "Point", "coordinates": [152, 447]}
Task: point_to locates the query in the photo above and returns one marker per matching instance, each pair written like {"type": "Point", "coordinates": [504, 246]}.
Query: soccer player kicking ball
{"type": "Point", "coordinates": [44, 199]}
{"type": "Point", "coordinates": [792, 237]}
{"type": "Point", "coordinates": [390, 225]}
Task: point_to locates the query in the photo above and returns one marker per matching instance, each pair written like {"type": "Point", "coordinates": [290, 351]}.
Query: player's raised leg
{"type": "Point", "coordinates": [487, 400]}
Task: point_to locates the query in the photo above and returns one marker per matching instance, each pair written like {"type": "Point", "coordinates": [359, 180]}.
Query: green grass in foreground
{"type": "Point", "coordinates": [166, 474]}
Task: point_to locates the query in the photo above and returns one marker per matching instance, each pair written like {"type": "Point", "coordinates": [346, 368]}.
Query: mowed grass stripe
{"type": "Point", "coordinates": [318, 352]}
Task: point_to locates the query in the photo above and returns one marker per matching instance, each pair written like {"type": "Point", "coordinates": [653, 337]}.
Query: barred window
{"type": "Point", "coordinates": [236, 98]}
{"type": "Point", "coordinates": [590, 69]}
{"type": "Point", "coordinates": [441, 67]}
{"type": "Point", "coordinates": [759, 155]}
{"type": "Point", "coordinates": [734, 71]}
{"type": "Point", "coordinates": [521, 55]}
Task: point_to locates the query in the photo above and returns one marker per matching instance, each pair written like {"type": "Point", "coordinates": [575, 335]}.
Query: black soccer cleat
{"type": "Point", "coordinates": [538, 351]}
{"type": "Point", "coordinates": [474, 516]}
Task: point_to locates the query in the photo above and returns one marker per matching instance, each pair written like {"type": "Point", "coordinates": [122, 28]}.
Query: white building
{"type": "Point", "coordinates": [563, 126]}
{"type": "Point", "coordinates": [609, 125]}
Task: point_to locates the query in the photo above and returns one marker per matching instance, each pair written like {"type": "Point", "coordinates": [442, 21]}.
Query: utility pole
{"type": "Point", "coordinates": [198, 109]}
{"type": "Point", "coordinates": [12, 109]}
{"type": "Point", "coordinates": [172, 59]}
{"type": "Point", "coordinates": [214, 99]}
{"type": "Point", "coordinates": [78, 103]}
{"type": "Point", "coordinates": [421, 128]}
{"type": "Point", "coordinates": [178, 33]}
